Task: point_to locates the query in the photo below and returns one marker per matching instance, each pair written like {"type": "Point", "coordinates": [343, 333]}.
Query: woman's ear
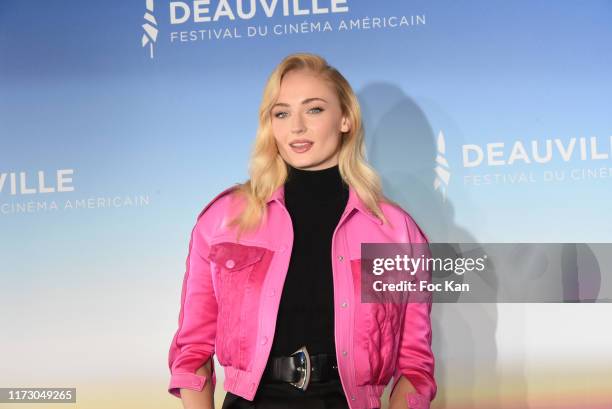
{"type": "Point", "coordinates": [345, 125]}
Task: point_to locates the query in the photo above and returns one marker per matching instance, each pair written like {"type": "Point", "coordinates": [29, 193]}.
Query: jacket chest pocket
{"type": "Point", "coordinates": [237, 275]}
{"type": "Point", "coordinates": [233, 258]}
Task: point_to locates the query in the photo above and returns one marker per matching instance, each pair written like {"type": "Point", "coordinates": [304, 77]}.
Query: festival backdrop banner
{"type": "Point", "coordinates": [119, 120]}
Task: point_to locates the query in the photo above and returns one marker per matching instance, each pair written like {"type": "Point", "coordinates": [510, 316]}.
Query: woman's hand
{"type": "Point", "coordinates": [397, 400]}
{"type": "Point", "coordinates": [204, 399]}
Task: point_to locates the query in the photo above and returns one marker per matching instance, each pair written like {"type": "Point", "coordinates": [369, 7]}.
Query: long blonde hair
{"type": "Point", "coordinates": [268, 170]}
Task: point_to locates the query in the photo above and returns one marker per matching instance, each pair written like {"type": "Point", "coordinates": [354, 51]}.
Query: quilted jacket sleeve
{"type": "Point", "coordinates": [415, 358]}
{"type": "Point", "coordinates": [193, 342]}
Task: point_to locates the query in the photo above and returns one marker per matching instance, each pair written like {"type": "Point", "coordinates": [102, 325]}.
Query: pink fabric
{"type": "Point", "coordinates": [231, 293]}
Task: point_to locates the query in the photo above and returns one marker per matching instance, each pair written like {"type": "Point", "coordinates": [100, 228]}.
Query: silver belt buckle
{"type": "Point", "coordinates": [304, 368]}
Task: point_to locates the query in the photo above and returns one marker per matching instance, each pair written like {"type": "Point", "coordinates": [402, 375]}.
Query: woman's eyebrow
{"type": "Point", "coordinates": [306, 101]}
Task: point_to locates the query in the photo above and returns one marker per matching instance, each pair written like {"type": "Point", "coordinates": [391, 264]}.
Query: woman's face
{"type": "Point", "coordinates": [307, 121]}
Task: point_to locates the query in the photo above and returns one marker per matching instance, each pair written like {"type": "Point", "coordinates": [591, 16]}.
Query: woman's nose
{"type": "Point", "coordinates": [297, 124]}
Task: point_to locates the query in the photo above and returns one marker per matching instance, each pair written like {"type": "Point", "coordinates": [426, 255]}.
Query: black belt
{"type": "Point", "coordinates": [301, 368]}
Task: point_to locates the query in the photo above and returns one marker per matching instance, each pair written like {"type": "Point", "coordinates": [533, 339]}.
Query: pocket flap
{"type": "Point", "coordinates": [234, 256]}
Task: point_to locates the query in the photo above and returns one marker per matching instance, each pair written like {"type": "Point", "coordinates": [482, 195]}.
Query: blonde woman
{"type": "Point", "coordinates": [273, 267]}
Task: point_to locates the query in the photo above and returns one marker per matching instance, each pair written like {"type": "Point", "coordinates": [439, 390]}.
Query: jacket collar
{"type": "Point", "coordinates": [354, 202]}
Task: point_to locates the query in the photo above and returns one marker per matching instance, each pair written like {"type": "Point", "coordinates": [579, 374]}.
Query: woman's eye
{"type": "Point", "coordinates": [283, 114]}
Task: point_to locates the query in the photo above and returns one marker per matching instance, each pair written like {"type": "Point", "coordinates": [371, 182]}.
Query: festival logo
{"type": "Point", "coordinates": [149, 37]}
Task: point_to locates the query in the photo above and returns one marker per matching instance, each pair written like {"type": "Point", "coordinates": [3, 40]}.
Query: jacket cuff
{"type": "Point", "coordinates": [187, 381]}
{"type": "Point", "coordinates": [417, 401]}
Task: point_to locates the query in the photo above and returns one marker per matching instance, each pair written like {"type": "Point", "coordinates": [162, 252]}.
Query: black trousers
{"type": "Point", "coordinates": [319, 395]}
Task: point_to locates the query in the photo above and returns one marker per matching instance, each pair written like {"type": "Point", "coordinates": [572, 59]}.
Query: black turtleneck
{"type": "Point", "coordinates": [315, 200]}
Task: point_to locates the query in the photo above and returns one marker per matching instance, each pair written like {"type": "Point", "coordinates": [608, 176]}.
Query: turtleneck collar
{"type": "Point", "coordinates": [315, 184]}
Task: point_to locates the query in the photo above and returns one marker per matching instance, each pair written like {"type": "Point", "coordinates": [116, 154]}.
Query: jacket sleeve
{"type": "Point", "coordinates": [193, 342]}
{"type": "Point", "coordinates": [415, 358]}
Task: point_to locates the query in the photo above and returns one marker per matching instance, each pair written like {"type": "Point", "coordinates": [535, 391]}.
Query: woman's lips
{"type": "Point", "coordinates": [301, 147]}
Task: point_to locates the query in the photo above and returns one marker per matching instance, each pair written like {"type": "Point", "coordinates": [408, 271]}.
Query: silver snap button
{"type": "Point", "coordinates": [230, 263]}
{"type": "Point", "coordinates": [344, 353]}
{"type": "Point", "coordinates": [340, 258]}
{"type": "Point", "coordinates": [344, 304]}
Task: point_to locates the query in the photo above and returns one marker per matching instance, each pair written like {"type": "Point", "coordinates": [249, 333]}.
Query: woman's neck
{"type": "Point", "coordinates": [314, 184]}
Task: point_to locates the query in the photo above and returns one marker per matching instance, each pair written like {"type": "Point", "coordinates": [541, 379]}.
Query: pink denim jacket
{"type": "Point", "coordinates": [231, 293]}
